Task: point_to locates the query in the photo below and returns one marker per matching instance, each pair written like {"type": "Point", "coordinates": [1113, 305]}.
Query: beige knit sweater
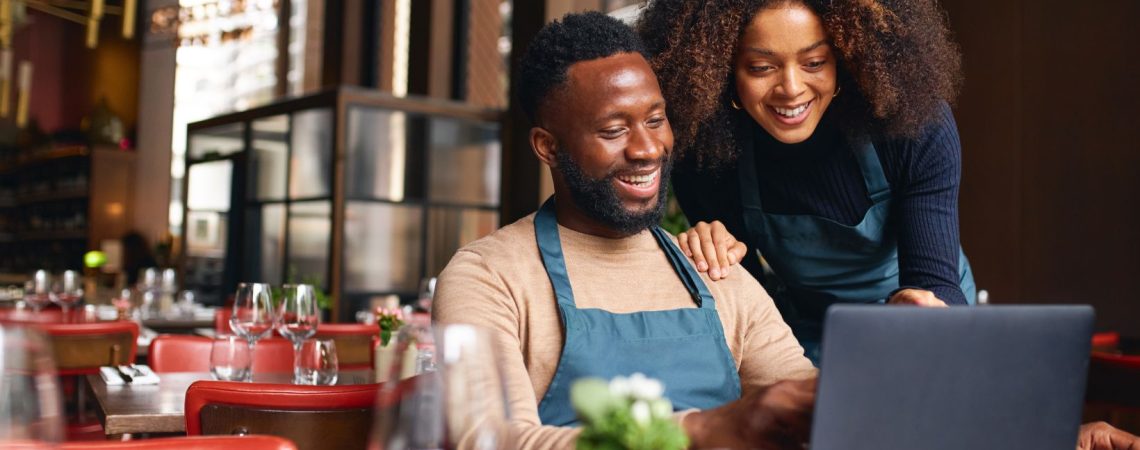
{"type": "Point", "coordinates": [499, 283]}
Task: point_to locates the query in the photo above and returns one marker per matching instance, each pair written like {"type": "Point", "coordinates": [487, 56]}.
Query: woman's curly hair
{"type": "Point", "coordinates": [896, 65]}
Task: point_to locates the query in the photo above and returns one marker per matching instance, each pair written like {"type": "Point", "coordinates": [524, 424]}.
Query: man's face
{"type": "Point", "coordinates": [612, 141]}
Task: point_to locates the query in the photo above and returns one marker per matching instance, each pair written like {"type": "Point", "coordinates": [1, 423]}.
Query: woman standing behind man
{"type": "Point", "coordinates": [818, 132]}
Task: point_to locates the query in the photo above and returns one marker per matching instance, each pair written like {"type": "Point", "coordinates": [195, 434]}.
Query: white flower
{"type": "Point", "coordinates": [620, 387]}
{"type": "Point", "coordinates": [662, 408]}
{"type": "Point", "coordinates": [644, 388]}
{"type": "Point", "coordinates": [641, 413]}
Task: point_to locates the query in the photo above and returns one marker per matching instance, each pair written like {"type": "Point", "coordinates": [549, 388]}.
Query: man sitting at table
{"type": "Point", "coordinates": [605, 292]}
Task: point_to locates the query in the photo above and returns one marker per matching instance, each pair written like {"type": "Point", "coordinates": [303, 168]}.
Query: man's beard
{"type": "Point", "coordinates": [598, 198]}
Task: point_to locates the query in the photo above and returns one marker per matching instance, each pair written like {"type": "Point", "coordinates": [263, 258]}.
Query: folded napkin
{"type": "Point", "coordinates": [140, 374]}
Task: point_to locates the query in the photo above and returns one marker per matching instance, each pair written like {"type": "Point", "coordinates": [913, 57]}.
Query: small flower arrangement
{"type": "Point", "coordinates": [625, 414]}
{"type": "Point", "coordinates": [389, 321]}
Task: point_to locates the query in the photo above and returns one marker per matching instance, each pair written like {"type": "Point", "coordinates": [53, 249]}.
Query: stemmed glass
{"type": "Point", "coordinates": [253, 316]}
{"type": "Point", "coordinates": [68, 291]}
{"type": "Point", "coordinates": [298, 319]}
{"type": "Point", "coordinates": [37, 291]}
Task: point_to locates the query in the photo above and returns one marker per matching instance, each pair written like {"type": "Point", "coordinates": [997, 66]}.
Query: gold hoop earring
{"type": "Point", "coordinates": [837, 89]}
{"type": "Point", "coordinates": [734, 105]}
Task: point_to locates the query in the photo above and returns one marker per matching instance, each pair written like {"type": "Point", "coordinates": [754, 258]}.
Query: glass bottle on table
{"type": "Point", "coordinates": [298, 317]}
{"type": "Point", "coordinates": [253, 315]}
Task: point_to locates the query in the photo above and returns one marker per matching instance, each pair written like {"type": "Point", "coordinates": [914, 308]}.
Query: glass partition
{"type": "Point", "coordinates": [310, 162]}
{"type": "Point", "coordinates": [216, 141]}
{"type": "Point", "coordinates": [268, 158]}
{"type": "Point", "coordinates": [310, 228]}
{"type": "Point", "coordinates": [365, 214]}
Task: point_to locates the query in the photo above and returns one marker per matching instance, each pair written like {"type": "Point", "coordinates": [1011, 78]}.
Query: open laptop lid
{"type": "Point", "coordinates": [992, 377]}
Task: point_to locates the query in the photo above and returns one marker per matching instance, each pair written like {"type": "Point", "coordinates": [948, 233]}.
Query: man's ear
{"type": "Point", "coordinates": [544, 146]}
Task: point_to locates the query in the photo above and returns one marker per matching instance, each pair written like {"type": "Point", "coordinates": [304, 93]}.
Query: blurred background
{"type": "Point", "coordinates": [356, 144]}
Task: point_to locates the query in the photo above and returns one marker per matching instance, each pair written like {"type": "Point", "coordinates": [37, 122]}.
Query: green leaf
{"type": "Point", "coordinates": [591, 398]}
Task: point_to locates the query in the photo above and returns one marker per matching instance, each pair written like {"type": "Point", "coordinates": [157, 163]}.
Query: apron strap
{"type": "Point", "coordinates": [873, 176]}
{"type": "Point", "coordinates": [749, 186]}
{"type": "Point", "coordinates": [697, 289]}
{"type": "Point", "coordinates": [550, 246]}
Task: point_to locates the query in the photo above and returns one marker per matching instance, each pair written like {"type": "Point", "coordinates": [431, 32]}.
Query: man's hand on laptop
{"type": "Point", "coordinates": [917, 297]}
{"type": "Point", "coordinates": [775, 417]}
{"type": "Point", "coordinates": [1102, 436]}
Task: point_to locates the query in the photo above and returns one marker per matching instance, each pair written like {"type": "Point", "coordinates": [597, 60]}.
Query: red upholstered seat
{"type": "Point", "coordinates": [189, 443]}
{"type": "Point", "coordinates": [181, 353]}
{"type": "Point", "coordinates": [310, 416]}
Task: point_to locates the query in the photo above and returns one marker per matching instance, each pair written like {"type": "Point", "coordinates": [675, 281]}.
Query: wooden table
{"type": "Point", "coordinates": [159, 408]}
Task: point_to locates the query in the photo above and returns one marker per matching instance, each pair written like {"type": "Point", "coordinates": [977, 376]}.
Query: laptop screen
{"type": "Point", "coordinates": [991, 377]}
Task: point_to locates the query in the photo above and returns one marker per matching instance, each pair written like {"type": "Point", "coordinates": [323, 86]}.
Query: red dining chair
{"type": "Point", "coordinates": [313, 417]}
{"type": "Point", "coordinates": [189, 443]}
{"type": "Point", "coordinates": [1104, 341]}
{"type": "Point", "coordinates": [1113, 391]}
{"type": "Point", "coordinates": [353, 343]}
{"type": "Point", "coordinates": [81, 349]}
{"type": "Point", "coordinates": [184, 353]}
{"type": "Point", "coordinates": [43, 316]}
{"type": "Point", "coordinates": [222, 321]}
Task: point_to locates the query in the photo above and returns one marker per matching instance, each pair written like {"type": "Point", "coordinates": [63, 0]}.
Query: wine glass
{"type": "Point", "coordinates": [31, 410]}
{"type": "Point", "coordinates": [298, 317]}
{"type": "Point", "coordinates": [68, 290]}
{"type": "Point", "coordinates": [253, 317]}
{"type": "Point", "coordinates": [37, 291]}
{"type": "Point", "coordinates": [458, 400]}
{"type": "Point", "coordinates": [230, 359]}
{"type": "Point", "coordinates": [317, 362]}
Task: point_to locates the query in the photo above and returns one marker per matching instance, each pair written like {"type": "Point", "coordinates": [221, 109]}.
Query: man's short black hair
{"type": "Point", "coordinates": [560, 44]}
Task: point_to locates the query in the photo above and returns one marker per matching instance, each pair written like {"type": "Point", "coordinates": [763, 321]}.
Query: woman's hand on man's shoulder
{"type": "Point", "coordinates": [712, 248]}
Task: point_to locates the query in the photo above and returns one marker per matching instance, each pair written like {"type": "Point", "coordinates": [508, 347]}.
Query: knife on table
{"type": "Point", "coordinates": [122, 374]}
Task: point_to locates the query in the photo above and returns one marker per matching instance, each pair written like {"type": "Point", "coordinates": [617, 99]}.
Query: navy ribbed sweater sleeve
{"type": "Point", "coordinates": [927, 172]}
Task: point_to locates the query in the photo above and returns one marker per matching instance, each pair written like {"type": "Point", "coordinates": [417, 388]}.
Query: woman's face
{"type": "Point", "coordinates": [785, 72]}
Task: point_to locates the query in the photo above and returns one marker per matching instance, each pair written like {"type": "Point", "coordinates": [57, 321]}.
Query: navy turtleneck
{"type": "Point", "coordinates": [821, 177]}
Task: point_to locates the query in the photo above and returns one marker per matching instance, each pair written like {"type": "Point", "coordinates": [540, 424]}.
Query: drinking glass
{"type": "Point", "coordinates": [68, 290]}
{"type": "Point", "coordinates": [253, 317]}
{"type": "Point", "coordinates": [148, 279]}
{"type": "Point", "coordinates": [298, 317]}
{"type": "Point", "coordinates": [31, 409]}
{"type": "Point", "coordinates": [37, 291]}
{"type": "Point", "coordinates": [317, 362]}
{"type": "Point", "coordinates": [458, 400]}
{"type": "Point", "coordinates": [231, 359]}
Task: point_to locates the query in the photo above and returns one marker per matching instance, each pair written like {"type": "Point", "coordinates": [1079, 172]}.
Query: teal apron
{"type": "Point", "coordinates": [683, 348]}
{"type": "Point", "coordinates": [821, 262]}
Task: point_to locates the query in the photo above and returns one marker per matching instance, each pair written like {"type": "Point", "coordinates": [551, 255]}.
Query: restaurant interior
{"type": "Point", "coordinates": [164, 163]}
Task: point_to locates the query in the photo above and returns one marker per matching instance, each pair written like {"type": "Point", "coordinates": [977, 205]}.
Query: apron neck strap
{"type": "Point", "coordinates": [697, 289]}
{"type": "Point", "coordinates": [873, 176]}
{"type": "Point", "coordinates": [550, 247]}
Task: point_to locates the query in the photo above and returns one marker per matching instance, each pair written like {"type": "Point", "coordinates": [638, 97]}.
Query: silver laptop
{"type": "Point", "coordinates": [988, 377]}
